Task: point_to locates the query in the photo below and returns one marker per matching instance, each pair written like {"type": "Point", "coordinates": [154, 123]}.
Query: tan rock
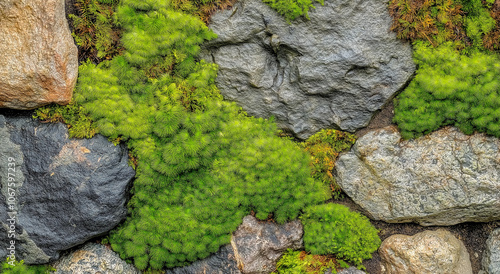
{"type": "Point", "coordinates": [426, 252]}
{"type": "Point", "coordinates": [38, 57]}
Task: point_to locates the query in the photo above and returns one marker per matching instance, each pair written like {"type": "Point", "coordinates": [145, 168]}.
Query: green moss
{"type": "Point", "coordinates": [79, 123]}
{"type": "Point", "coordinates": [202, 163]}
{"type": "Point", "coordinates": [450, 89]}
{"type": "Point", "coordinates": [325, 147]}
{"type": "Point", "coordinates": [18, 267]}
{"type": "Point", "coordinates": [333, 229]}
{"type": "Point", "coordinates": [292, 9]}
{"type": "Point", "coordinates": [299, 262]}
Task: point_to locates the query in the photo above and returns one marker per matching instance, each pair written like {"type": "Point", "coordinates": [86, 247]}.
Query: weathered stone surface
{"type": "Point", "coordinates": [491, 257]}
{"type": "Point", "coordinates": [428, 252]}
{"type": "Point", "coordinates": [350, 270]}
{"type": "Point", "coordinates": [444, 178]}
{"type": "Point", "coordinates": [334, 70]}
{"type": "Point", "coordinates": [38, 58]}
{"type": "Point", "coordinates": [67, 191]}
{"type": "Point", "coordinates": [93, 258]}
{"type": "Point", "coordinates": [222, 262]}
{"type": "Point", "coordinates": [258, 245]}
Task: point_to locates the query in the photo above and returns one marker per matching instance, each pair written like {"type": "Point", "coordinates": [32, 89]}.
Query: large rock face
{"type": "Point", "coordinates": [444, 178]}
{"type": "Point", "coordinates": [334, 70]}
{"type": "Point", "coordinates": [428, 252]}
{"type": "Point", "coordinates": [38, 58]}
{"type": "Point", "coordinates": [66, 191]}
{"type": "Point", "coordinates": [491, 258]}
{"type": "Point", "coordinates": [258, 245]}
{"type": "Point", "coordinates": [93, 258]}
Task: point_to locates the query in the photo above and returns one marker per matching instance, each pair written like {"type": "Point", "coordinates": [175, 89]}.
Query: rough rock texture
{"type": "Point", "coordinates": [93, 258]}
{"type": "Point", "coordinates": [428, 252]}
{"type": "Point", "coordinates": [350, 270]}
{"type": "Point", "coordinates": [67, 190]}
{"type": "Point", "coordinates": [334, 70]}
{"type": "Point", "coordinates": [258, 245]}
{"type": "Point", "coordinates": [491, 257]}
{"type": "Point", "coordinates": [444, 178]}
{"type": "Point", "coordinates": [38, 58]}
{"type": "Point", "coordinates": [222, 262]}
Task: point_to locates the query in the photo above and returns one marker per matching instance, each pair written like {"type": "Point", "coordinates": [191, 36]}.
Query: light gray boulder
{"type": "Point", "coordinates": [66, 191]}
{"type": "Point", "coordinates": [428, 252]}
{"type": "Point", "coordinates": [93, 258]}
{"type": "Point", "coordinates": [332, 71]}
{"type": "Point", "coordinates": [443, 178]}
{"type": "Point", "coordinates": [491, 257]}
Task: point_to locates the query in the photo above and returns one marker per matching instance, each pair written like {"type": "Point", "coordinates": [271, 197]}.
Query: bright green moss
{"type": "Point", "coordinates": [450, 89]}
{"type": "Point", "coordinates": [334, 229]}
{"type": "Point", "coordinates": [292, 9]}
{"type": "Point", "coordinates": [18, 267]}
{"type": "Point", "coordinates": [203, 164]}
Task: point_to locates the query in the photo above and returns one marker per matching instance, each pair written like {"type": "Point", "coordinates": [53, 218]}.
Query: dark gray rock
{"type": "Point", "coordinates": [222, 262]}
{"type": "Point", "coordinates": [67, 190]}
{"type": "Point", "coordinates": [491, 257]}
{"type": "Point", "coordinates": [443, 178]}
{"type": "Point", "coordinates": [258, 245]}
{"type": "Point", "coordinates": [334, 70]}
{"type": "Point", "coordinates": [93, 258]}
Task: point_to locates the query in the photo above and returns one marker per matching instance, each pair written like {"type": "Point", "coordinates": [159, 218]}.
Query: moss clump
{"type": "Point", "coordinates": [325, 147]}
{"type": "Point", "coordinates": [73, 115]}
{"type": "Point", "coordinates": [292, 9]}
{"type": "Point", "coordinates": [334, 229]}
{"type": "Point", "coordinates": [450, 89]}
{"type": "Point", "coordinates": [299, 262]}
{"type": "Point", "coordinates": [18, 267]}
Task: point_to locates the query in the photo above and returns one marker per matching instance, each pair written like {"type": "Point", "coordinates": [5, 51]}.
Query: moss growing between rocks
{"type": "Point", "coordinates": [203, 164]}
{"type": "Point", "coordinates": [334, 229]}
{"type": "Point", "coordinates": [456, 82]}
{"type": "Point", "coordinates": [299, 262]}
{"type": "Point", "coordinates": [450, 89]}
{"type": "Point", "coordinates": [291, 9]}
{"type": "Point", "coordinates": [325, 147]}
{"type": "Point", "coordinates": [18, 267]}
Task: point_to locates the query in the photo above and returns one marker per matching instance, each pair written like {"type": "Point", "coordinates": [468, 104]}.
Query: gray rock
{"type": "Point", "coordinates": [258, 245]}
{"type": "Point", "coordinates": [38, 57]}
{"type": "Point", "coordinates": [334, 70]}
{"type": "Point", "coordinates": [443, 178]}
{"type": "Point", "coordinates": [428, 252]}
{"type": "Point", "coordinates": [93, 258]}
{"type": "Point", "coordinates": [222, 262]}
{"type": "Point", "coordinates": [491, 257]}
{"type": "Point", "coordinates": [67, 190]}
{"type": "Point", "coordinates": [350, 270]}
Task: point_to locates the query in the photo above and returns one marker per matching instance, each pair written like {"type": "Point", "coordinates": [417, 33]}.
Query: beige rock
{"type": "Point", "coordinates": [38, 57]}
{"type": "Point", "coordinates": [426, 252]}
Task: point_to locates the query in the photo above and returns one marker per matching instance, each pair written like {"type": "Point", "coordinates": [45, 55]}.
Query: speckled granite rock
{"type": "Point", "coordinates": [428, 252]}
{"type": "Point", "coordinates": [93, 258]}
{"type": "Point", "coordinates": [491, 257]}
{"type": "Point", "coordinates": [444, 178]}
